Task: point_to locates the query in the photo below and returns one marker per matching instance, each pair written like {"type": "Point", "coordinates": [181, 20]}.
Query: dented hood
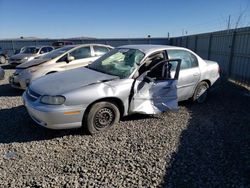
{"type": "Point", "coordinates": [65, 81]}
{"type": "Point", "coordinates": [31, 63]}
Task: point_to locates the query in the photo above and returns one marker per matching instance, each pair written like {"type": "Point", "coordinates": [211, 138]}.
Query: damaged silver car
{"type": "Point", "coordinates": [128, 79]}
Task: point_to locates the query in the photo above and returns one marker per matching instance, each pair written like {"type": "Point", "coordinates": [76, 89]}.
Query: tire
{"type": "Point", "coordinates": [2, 59]}
{"type": "Point", "coordinates": [101, 116]}
{"type": "Point", "coordinates": [201, 92]}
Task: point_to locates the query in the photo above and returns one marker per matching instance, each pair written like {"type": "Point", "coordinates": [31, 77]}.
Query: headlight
{"type": "Point", "coordinates": [54, 100]}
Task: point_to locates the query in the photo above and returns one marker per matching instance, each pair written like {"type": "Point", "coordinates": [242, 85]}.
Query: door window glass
{"type": "Point", "coordinates": [81, 53]}
{"type": "Point", "coordinates": [49, 49]}
{"type": "Point", "coordinates": [62, 59]}
{"type": "Point", "coordinates": [100, 50]}
{"type": "Point", "coordinates": [43, 50]}
{"type": "Point", "coordinates": [188, 60]}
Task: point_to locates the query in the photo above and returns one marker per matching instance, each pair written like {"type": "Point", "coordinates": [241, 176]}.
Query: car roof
{"type": "Point", "coordinates": [82, 45]}
{"type": "Point", "coordinates": [149, 48]}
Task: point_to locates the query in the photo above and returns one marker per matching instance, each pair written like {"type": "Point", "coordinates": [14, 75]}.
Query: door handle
{"type": "Point", "coordinates": [196, 74]}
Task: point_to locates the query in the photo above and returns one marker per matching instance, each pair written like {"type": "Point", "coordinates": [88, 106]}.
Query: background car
{"type": "Point", "coordinates": [3, 56]}
{"type": "Point", "coordinates": [1, 73]}
{"type": "Point", "coordinates": [29, 53]}
{"type": "Point", "coordinates": [129, 79]}
{"type": "Point", "coordinates": [61, 59]}
{"type": "Point", "coordinates": [60, 44]}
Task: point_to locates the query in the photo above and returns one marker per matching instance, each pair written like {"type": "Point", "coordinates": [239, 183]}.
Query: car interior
{"type": "Point", "coordinates": [157, 69]}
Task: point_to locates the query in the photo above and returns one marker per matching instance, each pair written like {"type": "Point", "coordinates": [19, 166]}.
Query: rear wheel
{"type": "Point", "coordinates": [102, 116]}
{"type": "Point", "coordinates": [2, 59]}
{"type": "Point", "coordinates": [201, 92]}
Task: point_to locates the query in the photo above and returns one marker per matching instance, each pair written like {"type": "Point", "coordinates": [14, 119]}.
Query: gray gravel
{"type": "Point", "coordinates": [204, 145]}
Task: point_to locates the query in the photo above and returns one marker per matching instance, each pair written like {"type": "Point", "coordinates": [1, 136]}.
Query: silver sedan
{"type": "Point", "coordinates": [65, 58]}
{"type": "Point", "coordinates": [128, 79]}
{"type": "Point", "coordinates": [28, 53]}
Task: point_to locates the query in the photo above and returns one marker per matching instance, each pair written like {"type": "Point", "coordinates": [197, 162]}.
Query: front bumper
{"type": "Point", "coordinates": [53, 116]}
{"type": "Point", "coordinates": [19, 82]}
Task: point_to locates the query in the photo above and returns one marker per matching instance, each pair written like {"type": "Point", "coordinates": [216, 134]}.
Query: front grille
{"type": "Point", "coordinates": [32, 95]}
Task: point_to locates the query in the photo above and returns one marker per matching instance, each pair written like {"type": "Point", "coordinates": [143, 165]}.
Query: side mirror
{"type": "Point", "coordinates": [42, 52]}
{"type": "Point", "coordinates": [70, 58]}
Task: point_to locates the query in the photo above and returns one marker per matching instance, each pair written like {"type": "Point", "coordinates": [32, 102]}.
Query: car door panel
{"type": "Point", "coordinates": [80, 62]}
{"type": "Point", "coordinates": [189, 73]}
{"type": "Point", "coordinates": [187, 82]}
{"type": "Point", "coordinates": [155, 96]}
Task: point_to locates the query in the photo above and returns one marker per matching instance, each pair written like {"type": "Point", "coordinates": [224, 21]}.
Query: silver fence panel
{"type": "Point", "coordinates": [202, 45]}
{"type": "Point", "coordinates": [240, 70]}
{"type": "Point", "coordinates": [230, 48]}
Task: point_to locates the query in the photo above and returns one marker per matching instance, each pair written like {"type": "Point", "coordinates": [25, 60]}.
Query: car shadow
{"type": "Point", "coordinates": [8, 67]}
{"type": "Point", "coordinates": [214, 149]}
{"type": "Point", "coordinates": [17, 126]}
{"type": "Point", "coordinates": [133, 117]}
{"type": "Point", "coordinates": [7, 91]}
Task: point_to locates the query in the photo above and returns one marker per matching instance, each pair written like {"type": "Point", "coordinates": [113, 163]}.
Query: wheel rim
{"type": "Point", "coordinates": [104, 118]}
{"type": "Point", "coordinates": [201, 94]}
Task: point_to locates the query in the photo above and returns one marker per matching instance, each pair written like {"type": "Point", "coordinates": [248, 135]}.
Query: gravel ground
{"type": "Point", "coordinates": [204, 145]}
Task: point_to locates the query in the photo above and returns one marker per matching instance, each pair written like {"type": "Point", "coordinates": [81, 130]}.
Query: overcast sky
{"type": "Point", "coordinates": [117, 18]}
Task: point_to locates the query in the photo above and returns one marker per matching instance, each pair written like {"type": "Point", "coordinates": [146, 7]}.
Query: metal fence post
{"type": "Point", "coordinates": [195, 43]}
{"type": "Point", "coordinates": [231, 55]}
{"type": "Point", "coordinates": [13, 49]}
{"type": "Point", "coordinates": [209, 46]}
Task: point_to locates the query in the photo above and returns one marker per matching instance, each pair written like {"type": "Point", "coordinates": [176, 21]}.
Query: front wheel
{"type": "Point", "coordinates": [101, 116]}
{"type": "Point", "coordinates": [201, 92]}
{"type": "Point", "coordinates": [2, 59]}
